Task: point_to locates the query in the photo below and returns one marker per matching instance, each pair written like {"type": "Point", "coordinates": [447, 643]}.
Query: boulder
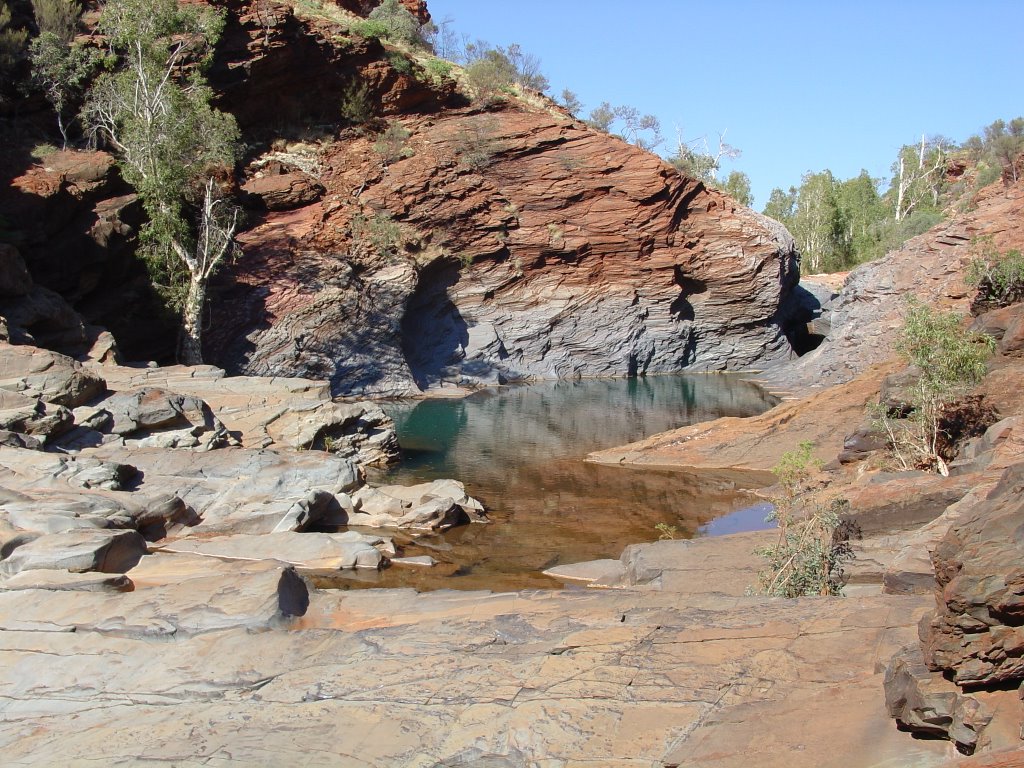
{"type": "Point", "coordinates": [160, 418]}
{"type": "Point", "coordinates": [976, 634]}
{"type": "Point", "coordinates": [18, 440]}
{"type": "Point", "coordinates": [78, 551]}
{"type": "Point", "coordinates": [282, 192]}
{"type": "Point", "coordinates": [1012, 341]}
{"type": "Point", "coordinates": [924, 702]}
{"type": "Point", "coordinates": [437, 505]}
{"type": "Point", "coordinates": [995, 322]}
{"type": "Point", "coordinates": [47, 375]}
{"type": "Point", "coordinates": [237, 490]}
{"type": "Point", "coordinates": [44, 318]}
{"type": "Point", "coordinates": [360, 431]}
{"type": "Point", "coordinates": [33, 417]}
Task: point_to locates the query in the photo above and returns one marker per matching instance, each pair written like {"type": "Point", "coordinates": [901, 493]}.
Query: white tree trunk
{"type": "Point", "coordinates": [191, 342]}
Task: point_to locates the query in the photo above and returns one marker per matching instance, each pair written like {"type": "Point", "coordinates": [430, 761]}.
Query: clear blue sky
{"type": "Point", "coordinates": [800, 85]}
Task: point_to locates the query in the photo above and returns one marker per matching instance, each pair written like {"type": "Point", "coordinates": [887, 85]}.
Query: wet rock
{"type": "Point", "coordinates": [438, 505]}
{"type": "Point", "coordinates": [78, 551]}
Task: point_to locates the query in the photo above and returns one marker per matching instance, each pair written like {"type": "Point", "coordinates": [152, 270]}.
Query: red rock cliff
{"type": "Point", "coordinates": [534, 246]}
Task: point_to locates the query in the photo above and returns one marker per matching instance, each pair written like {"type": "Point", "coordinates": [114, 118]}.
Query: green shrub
{"type": "Point", "coordinates": [399, 62]}
{"type": "Point", "coordinates": [476, 144]}
{"type": "Point", "coordinates": [491, 75]}
{"type": "Point", "coordinates": [391, 144]}
{"type": "Point", "coordinates": [949, 360]}
{"type": "Point", "coordinates": [998, 277]}
{"type": "Point", "coordinates": [357, 105]}
{"type": "Point", "coordinates": [813, 545]}
{"type": "Point", "coordinates": [379, 233]}
{"type": "Point", "coordinates": [390, 21]}
{"type": "Point", "coordinates": [438, 70]}
{"type": "Point", "coordinates": [371, 29]}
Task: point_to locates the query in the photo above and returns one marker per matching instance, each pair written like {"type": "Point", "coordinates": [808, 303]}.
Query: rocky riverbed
{"type": "Point", "coordinates": [176, 543]}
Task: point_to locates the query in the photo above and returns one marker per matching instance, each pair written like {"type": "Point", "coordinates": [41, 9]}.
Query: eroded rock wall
{"type": "Point", "coordinates": [534, 247]}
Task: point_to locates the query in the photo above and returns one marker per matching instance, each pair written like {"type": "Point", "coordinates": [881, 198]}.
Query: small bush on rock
{"type": "Point", "coordinates": [356, 104]}
{"type": "Point", "coordinates": [390, 21]}
{"type": "Point", "coordinates": [998, 277]}
{"type": "Point", "coordinates": [379, 234]}
{"type": "Point", "coordinates": [391, 144]}
{"type": "Point", "coordinates": [813, 543]}
{"type": "Point", "coordinates": [950, 360]}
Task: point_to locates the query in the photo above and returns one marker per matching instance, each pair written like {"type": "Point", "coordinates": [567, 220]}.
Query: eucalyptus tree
{"type": "Point", "coordinates": [60, 66]}
{"type": "Point", "coordinates": [737, 184]}
{"type": "Point", "coordinates": [172, 145]}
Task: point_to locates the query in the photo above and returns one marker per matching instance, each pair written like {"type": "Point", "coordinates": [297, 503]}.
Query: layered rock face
{"type": "Point", "coordinates": [528, 245]}
{"type": "Point", "coordinates": [534, 247]}
{"type": "Point", "coordinates": [931, 267]}
{"type": "Point", "coordinates": [977, 632]}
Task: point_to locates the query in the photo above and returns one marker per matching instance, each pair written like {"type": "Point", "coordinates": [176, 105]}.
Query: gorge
{"type": "Point", "coordinates": [178, 544]}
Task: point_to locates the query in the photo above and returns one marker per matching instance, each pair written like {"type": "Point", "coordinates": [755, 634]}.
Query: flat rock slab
{"type": "Point", "coordinates": [67, 581]}
{"type": "Point", "coordinates": [590, 571]}
{"type": "Point", "coordinates": [305, 550]}
{"type": "Point", "coordinates": [78, 551]}
{"type": "Point", "coordinates": [748, 448]}
{"type": "Point", "coordinates": [610, 678]}
{"type": "Point", "coordinates": [174, 596]}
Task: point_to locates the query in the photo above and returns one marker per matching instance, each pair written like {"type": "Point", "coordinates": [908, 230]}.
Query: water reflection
{"type": "Point", "coordinates": [520, 450]}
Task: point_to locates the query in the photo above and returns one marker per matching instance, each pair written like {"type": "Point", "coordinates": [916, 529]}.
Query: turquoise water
{"type": "Point", "coordinates": [520, 450]}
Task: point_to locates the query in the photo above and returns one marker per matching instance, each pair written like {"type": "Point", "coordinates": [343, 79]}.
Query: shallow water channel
{"type": "Point", "coordinates": [520, 450]}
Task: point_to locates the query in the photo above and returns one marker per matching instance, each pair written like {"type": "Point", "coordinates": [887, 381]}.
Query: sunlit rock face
{"type": "Point", "coordinates": [531, 247]}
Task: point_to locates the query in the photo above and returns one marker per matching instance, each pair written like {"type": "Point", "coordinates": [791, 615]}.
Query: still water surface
{"type": "Point", "coordinates": [520, 450]}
